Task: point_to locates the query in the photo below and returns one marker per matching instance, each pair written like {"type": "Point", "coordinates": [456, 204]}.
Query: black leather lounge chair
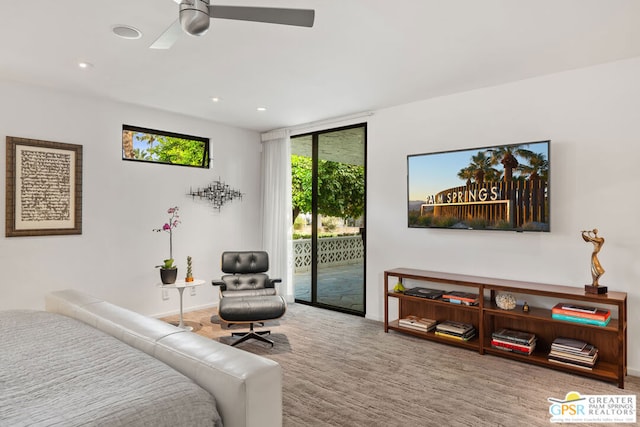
{"type": "Point", "coordinates": [248, 294]}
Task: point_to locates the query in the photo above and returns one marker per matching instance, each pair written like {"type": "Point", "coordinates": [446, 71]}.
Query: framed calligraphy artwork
{"type": "Point", "coordinates": [44, 188]}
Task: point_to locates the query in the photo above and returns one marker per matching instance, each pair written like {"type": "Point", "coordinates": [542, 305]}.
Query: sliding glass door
{"type": "Point", "coordinates": [328, 190]}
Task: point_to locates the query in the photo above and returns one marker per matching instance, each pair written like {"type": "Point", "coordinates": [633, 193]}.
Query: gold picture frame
{"type": "Point", "coordinates": [44, 188]}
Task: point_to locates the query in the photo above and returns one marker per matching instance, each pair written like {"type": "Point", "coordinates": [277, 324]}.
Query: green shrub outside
{"type": "Point", "coordinates": [299, 223]}
{"type": "Point", "coordinates": [329, 223]}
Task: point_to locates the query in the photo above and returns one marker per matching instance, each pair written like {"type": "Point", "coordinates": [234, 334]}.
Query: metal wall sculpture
{"type": "Point", "coordinates": [217, 194]}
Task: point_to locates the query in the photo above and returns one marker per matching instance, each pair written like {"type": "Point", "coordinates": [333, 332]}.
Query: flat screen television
{"type": "Point", "coordinates": [501, 187]}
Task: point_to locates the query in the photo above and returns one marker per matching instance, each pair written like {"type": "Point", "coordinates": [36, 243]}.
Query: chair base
{"type": "Point", "coordinates": [230, 324]}
{"type": "Point", "coordinates": [257, 335]}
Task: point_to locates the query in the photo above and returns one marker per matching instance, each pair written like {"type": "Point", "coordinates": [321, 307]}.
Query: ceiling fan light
{"type": "Point", "coordinates": [194, 18]}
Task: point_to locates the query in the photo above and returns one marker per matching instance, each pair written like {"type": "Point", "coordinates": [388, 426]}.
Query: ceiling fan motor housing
{"type": "Point", "coordinates": [194, 16]}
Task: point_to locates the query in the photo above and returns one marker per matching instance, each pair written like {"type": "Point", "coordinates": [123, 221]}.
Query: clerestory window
{"type": "Point", "coordinates": [155, 146]}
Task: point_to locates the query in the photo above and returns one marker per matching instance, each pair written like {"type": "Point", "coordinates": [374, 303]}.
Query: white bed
{"type": "Point", "coordinates": [89, 362]}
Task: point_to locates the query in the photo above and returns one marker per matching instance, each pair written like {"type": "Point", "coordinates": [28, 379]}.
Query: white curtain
{"type": "Point", "coordinates": [276, 208]}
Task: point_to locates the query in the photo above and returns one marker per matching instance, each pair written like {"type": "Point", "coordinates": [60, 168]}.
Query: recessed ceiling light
{"type": "Point", "coordinates": [84, 65]}
{"type": "Point", "coordinates": [262, 108]}
{"type": "Point", "coordinates": [126, 32]}
{"type": "Point", "coordinates": [215, 99]}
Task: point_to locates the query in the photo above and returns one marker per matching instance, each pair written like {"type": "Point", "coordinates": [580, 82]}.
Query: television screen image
{"type": "Point", "coordinates": [502, 187]}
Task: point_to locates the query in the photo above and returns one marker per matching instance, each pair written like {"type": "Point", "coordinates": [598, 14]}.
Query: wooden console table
{"type": "Point", "coordinates": [486, 317]}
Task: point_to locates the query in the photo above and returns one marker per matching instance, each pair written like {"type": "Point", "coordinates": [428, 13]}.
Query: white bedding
{"type": "Point", "coordinates": [57, 371]}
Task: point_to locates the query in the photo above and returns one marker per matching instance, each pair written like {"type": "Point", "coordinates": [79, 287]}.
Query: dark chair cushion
{"type": "Point", "coordinates": [245, 262]}
{"type": "Point", "coordinates": [249, 293]}
{"type": "Point", "coordinates": [245, 282]}
{"type": "Point", "coordinates": [251, 309]}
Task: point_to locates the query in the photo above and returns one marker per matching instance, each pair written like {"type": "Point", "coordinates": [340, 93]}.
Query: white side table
{"type": "Point", "coordinates": [180, 285]}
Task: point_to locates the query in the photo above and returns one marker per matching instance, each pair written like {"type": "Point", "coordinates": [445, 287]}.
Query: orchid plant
{"type": "Point", "coordinates": [174, 220]}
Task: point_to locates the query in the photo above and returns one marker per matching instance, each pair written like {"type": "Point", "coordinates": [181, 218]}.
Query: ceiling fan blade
{"type": "Point", "coordinates": [271, 15]}
{"type": "Point", "coordinates": [169, 37]}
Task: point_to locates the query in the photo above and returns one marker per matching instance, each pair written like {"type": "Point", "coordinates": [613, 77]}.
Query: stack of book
{"type": "Point", "coordinates": [458, 330]}
{"type": "Point", "coordinates": [581, 314]}
{"type": "Point", "coordinates": [514, 341]}
{"type": "Point", "coordinates": [417, 323]}
{"type": "Point", "coordinates": [569, 351]}
{"type": "Point", "coordinates": [458, 297]}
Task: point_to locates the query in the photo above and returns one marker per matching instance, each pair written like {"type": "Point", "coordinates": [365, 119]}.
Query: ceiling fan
{"type": "Point", "coordinates": [195, 15]}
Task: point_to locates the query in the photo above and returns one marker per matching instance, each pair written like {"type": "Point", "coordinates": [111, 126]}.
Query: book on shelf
{"type": "Point", "coordinates": [581, 320]}
{"type": "Point", "coordinates": [418, 323]}
{"type": "Point", "coordinates": [531, 344]}
{"type": "Point", "coordinates": [588, 354]}
{"type": "Point", "coordinates": [461, 302]}
{"type": "Point", "coordinates": [459, 337]}
{"type": "Point", "coordinates": [511, 335]}
{"type": "Point", "coordinates": [575, 365]}
{"type": "Point", "coordinates": [566, 357]}
{"type": "Point", "coordinates": [458, 334]}
{"type": "Point", "coordinates": [577, 308]}
{"type": "Point", "coordinates": [588, 351]}
{"type": "Point", "coordinates": [598, 314]}
{"type": "Point", "coordinates": [528, 349]}
{"type": "Point", "coordinates": [455, 327]}
{"type": "Point", "coordinates": [461, 296]}
{"type": "Point", "coordinates": [458, 330]}
{"type": "Point", "coordinates": [424, 292]}
{"type": "Point", "coordinates": [417, 328]}
{"type": "Point", "coordinates": [573, 352]}
{"type": "Point", "coordinates": [569, 343]}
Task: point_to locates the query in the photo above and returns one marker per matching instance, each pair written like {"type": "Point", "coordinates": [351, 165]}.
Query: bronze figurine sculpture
{"type": "Point", "coordinates": [591, 236]}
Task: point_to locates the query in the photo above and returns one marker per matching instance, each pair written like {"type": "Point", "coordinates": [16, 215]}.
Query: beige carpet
{"type": "Point", "coordinates": [342, 370]}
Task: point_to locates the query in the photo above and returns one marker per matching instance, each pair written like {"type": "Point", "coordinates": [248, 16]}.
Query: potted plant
{"type": "Point", "coordinates": [168, 271]}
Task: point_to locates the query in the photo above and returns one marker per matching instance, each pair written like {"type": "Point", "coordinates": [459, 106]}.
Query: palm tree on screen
{"type": "Point", "coordinates": [480, 169]}
{"type": "Point", "coordinates": [538, 166]}
{"type": "Point", "coordinates": [507, 156]}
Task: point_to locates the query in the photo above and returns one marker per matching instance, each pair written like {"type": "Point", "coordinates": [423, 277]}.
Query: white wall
{"type": "Point", "coordinates": [123, 201]}
{"type": "Point", "coordinates": [590, 115]}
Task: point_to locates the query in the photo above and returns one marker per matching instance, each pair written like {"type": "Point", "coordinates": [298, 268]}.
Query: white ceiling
{"type": "Point", "coordinates": [360, 55]}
